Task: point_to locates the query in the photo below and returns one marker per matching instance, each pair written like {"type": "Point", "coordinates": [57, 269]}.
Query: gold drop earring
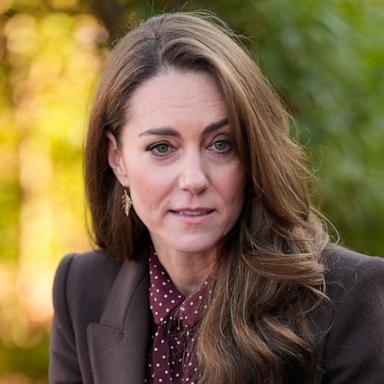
{"type": "Point", "coordinates": [126, 202]}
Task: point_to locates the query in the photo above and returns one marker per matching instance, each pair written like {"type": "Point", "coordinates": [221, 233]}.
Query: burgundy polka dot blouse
{"type": "Point", "coordinates": [172, 358]}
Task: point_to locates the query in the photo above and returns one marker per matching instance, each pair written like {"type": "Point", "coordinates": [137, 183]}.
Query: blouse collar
{"type": "Point", "coordinates": [166, 301]}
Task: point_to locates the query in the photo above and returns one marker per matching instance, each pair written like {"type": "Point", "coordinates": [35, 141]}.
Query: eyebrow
{"type": "Point", "coordinates": [169, 131]}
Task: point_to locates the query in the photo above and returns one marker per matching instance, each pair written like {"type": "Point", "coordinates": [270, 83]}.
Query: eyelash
{"type": "Point", "coordinates": [153, 148]}
{"type": "Point", "coordinates": [227, 142]}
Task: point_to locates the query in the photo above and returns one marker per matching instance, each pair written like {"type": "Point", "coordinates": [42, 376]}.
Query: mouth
{"type": "Point", "coordinates": [193, 212]}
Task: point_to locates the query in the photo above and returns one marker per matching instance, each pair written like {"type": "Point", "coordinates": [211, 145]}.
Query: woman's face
{"type": "Point", "coordinates": [176, 158]}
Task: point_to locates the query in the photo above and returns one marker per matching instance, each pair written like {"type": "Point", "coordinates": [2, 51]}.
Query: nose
{"type": "Point", "coordinates": [193, 177]}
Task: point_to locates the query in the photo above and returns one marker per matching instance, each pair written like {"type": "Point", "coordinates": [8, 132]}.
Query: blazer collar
{"type": "Point", "coordinates": [118, 344]}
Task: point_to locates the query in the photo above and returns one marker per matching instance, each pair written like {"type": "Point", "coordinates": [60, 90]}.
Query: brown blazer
{"type": "Point", "coordinates": [102, 322]}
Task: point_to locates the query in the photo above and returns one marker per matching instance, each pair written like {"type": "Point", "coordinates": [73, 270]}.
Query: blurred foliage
{"type": "Point", "coordinates": [325, 58]}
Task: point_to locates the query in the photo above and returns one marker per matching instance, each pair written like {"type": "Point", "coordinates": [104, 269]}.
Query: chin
{"type": "Point", "coordinates": [194, 245]}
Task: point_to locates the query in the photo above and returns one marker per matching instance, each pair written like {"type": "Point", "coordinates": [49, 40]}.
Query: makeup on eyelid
{"type": "Point", "coordinates": [170, 147]}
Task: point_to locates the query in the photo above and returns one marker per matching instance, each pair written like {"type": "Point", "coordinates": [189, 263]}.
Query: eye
{"type": "Point", "coordinates": [221, 146]}
{"type": "Point", "coordinates": [160, 149]}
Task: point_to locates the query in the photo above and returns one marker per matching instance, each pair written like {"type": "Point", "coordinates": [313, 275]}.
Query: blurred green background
{"type": "Point", "coordinates": [325, 58]}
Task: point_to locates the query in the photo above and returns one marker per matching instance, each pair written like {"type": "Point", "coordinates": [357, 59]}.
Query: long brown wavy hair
{"type": "Point", "coordinates": [269, 275]}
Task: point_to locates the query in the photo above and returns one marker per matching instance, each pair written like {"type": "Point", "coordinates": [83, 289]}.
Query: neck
{"type": "Point", "coordinates": [188, 271]}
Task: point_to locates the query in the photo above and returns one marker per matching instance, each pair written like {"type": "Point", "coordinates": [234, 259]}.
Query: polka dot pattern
{"type": "Point", "coordinates": [172, 358]}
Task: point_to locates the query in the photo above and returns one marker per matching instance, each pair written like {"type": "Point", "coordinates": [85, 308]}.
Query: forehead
{"type": "Point", "coordinates": [173, 97]}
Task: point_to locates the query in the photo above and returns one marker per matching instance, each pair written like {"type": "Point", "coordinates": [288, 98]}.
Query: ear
{"type": "Point", "coordinates": [116, 160]}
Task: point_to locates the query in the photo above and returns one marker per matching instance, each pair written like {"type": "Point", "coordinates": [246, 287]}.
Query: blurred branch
{"type": "Point", "coordinates": [114, 15]}
{"type": "Point", "coordinates": [111, 14]}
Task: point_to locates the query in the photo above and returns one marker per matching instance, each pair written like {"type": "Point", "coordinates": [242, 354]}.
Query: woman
{"type": "Point", "coordinates": [212, 266]}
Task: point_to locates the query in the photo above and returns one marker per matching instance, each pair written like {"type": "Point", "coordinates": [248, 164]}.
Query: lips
{"type": "Point", "coordinates": [193, 212]}
{"type": "Point", "coordinates": [193, 216]}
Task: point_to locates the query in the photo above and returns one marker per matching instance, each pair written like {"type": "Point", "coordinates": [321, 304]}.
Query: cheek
{"type": "Point", "coordinates": [232, 192]}
{"type": "Point", "coordinates": [148, 187]}
{"type": "Point", "coordinates": [233, 186]}
{"type": "Point", "coordinates": [140, 186]}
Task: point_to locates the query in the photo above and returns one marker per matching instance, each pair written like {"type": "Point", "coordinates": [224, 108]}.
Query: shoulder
{"type": "Point", "coordinates": [347, 271]}
{"type": "Point", "coordinates": [91, 270]}
{"type": "Point", "coordinates": [338, 258]}
{"type": "Point", "coordinates": [353, 349]}
{"type": "Point", "coordinates": [86, 269]}
{"type": "Point", "coordinates": [83, 281]}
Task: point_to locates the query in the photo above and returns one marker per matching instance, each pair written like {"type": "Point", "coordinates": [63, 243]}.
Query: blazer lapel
{"type": "Point", "coordinates": [118, 345]}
